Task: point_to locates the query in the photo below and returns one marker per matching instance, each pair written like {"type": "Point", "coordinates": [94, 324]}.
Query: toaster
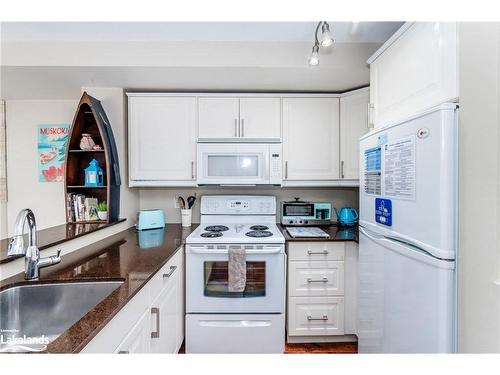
{"type": "Point", "coordinates": [150, 219]}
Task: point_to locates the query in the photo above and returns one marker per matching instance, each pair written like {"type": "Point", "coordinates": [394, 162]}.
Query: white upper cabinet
{"type": "Point", "coordinates": [353, 125]}
{"type": "Point", "coordinates": [239, 119]}
{"type": "Point", "coordinates": [162, 141]}
{"type": "Point", "coordinates": [260, 118]}
{"type": "Point", "coordinates": [310, 140]}
{"type": "Point", "coordinates": [218, 118]}
{"type": "Point", "coordinates": [414, 70]}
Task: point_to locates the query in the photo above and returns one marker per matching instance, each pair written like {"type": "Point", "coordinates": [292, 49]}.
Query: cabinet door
{"type": "Point", "coordinates": [418, 71]}
{"type": "Point", "coordinates": [353, 125]}
{"type": "Point", "coordinates": [138, 340]}
{"type": "Point", "coordinates": [311, 138]}
{"type": "Point", "coordinates": [162, 138]}
{"type": "Point", "coordinates": [218, 117]}
{"type": "Point", "coordinates": [164, 317]}
{"type": "Point", "coordinates": [260, 118]}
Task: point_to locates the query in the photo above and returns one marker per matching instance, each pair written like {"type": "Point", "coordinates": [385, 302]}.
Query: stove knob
{"type": "Point", "coordinates": [305, 221]}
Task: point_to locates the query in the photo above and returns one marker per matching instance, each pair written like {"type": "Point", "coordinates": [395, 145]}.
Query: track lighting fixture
{"type": "Point", "coordinates": [326, 41]}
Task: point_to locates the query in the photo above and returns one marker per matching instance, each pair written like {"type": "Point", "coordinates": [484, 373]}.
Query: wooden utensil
{"type": "Point", "coordinates": [182, 202]}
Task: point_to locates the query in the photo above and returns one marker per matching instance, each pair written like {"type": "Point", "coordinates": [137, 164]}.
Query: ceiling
{"type": "Point", "coordinates": [54, 60]}
{"type": "Point", "coordinates": [344, 32]}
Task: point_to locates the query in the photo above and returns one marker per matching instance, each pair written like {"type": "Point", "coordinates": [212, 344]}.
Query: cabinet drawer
{"type": "Point", "coordinates": [314, 250]}
{"type": "Point", "coordinates": [320, 278]}
{"type": "Point", "coordinates": [315, 316]}
{"type": "Point", "coordinates": [161, 278]}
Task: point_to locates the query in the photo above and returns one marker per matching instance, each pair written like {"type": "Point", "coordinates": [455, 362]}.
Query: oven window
{"type": "Point", "coordinates": [216, 280]}
{"type": "Point", "coordinates": [233, 165]}
{"type": "Point", "coordinates": [298, 210]}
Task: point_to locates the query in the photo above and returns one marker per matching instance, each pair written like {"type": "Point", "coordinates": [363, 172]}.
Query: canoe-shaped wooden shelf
{"type": "Point", "coordinates": [90, 118]}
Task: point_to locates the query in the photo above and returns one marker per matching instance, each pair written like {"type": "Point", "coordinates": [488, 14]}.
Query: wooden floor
{"type": "Point", "coordinates": [325, 348]}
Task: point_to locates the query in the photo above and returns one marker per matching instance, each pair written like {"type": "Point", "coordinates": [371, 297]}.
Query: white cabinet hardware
{"type": "Point", "coordinates": [323, 280]}
{"type": "Point", "coordinates": [324, 252]}
{"type": "Point", "coordinates": [172, 270]}
{"type": "Point", "coordinates": [192, 170]}
{"type": "Point", "coordinates": [324, 317]}
{"type": "Point", "coordinates": [156, 334]}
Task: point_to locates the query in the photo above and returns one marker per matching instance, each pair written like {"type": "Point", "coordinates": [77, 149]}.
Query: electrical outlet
{"type": "Point", "coordinates": [176, 202]}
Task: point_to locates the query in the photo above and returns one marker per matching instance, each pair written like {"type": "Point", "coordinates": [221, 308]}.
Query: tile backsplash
{"type": "Point", "coordinates": [164, 198]}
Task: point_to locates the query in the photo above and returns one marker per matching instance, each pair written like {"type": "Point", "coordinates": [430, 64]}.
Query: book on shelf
{"type": "Point", "coordinates": [80, 208]}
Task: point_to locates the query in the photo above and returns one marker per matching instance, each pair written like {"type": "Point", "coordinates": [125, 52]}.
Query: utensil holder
{"type": "Point", "coordinates": [186, 215]}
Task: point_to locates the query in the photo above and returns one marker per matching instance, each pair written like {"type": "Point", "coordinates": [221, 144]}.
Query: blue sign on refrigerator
{"type": "Point", "coordinates": [383, 211]}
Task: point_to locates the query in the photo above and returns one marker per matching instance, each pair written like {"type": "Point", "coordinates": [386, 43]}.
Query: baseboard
{"type": "Point", "coordinates": [320, 339]}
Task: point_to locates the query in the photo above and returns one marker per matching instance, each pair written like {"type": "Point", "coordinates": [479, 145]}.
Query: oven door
{"type": "Point", "coordinates": [233, 164]}
{"type": "Point", "coordinates": [207, 280]}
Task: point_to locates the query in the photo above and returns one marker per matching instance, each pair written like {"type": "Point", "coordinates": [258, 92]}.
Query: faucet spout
{"type": "Point", "coordinates": [32, 260]}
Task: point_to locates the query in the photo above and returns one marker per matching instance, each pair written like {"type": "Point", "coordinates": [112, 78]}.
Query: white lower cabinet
{"type": "Point", "coordinates": [320, 305]}
{"type": "Point", "coordinates": [315, 316]}
{"type": "Point", "coordinates": [152, 321]}
{"type": "Point", "coordinates": [139, 338]}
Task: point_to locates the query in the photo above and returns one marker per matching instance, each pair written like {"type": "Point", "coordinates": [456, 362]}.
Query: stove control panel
{"type": "Point", "coordinates": [238, 205]}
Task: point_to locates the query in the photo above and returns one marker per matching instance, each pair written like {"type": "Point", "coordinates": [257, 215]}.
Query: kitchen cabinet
{"type": "Point", "coordinates": [218, 118]}
{"type": "Point", "coordinates": [139, 338]}
{"type": "Point", "coordinates": [414, 70]}
{"type": "Point", "coordinates": [310, 140]}
{"type": "Point", "coordinates": [321, 295]}
{"type": "Point", "coordinates": [152, 321]}
{"type": "Point", "coordinates": [260, 118]}
{"type": "Point", "coordinates": [353, 125]}
{"type": "Point", "coordinates": [162, 140]}
{"type": "Point", "coordinates": [239, 119]}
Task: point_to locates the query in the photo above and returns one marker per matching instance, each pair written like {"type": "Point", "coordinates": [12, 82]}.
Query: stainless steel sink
{"type": "Point", "coordinates": [32, 316]}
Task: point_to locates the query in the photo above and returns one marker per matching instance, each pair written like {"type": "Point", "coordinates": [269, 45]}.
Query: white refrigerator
{"type": "Point", "coordinates": [408, 235]}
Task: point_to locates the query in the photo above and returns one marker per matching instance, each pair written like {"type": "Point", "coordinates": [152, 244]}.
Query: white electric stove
{"type": "Point", "coordinates": [221, 321]}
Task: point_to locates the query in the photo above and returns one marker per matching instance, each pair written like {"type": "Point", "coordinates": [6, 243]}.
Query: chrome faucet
{"type": "Point", "coordinates": [32, 260]}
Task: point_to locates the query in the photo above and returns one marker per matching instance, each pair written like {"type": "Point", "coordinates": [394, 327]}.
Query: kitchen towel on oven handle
{"type": "Point", "coordinates": [237, 269]}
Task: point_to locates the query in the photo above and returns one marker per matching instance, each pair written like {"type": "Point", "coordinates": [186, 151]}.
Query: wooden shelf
{"type": "Point", "coordinates": [84, 151]}
{"type": "Point", "coordinates": [90, 118]}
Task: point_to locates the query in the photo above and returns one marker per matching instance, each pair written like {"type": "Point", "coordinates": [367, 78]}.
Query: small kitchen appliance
{"type": "Point", "coordinates": [347, 216]}
{"type": "Point", "coordinates": [218, 318]}
{"type": "Point", "coordinates": [150, 219]}
{"type": "Point", "coordinates": [301, 213]}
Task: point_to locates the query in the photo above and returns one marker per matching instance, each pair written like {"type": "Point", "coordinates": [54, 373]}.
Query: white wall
{"type": "Point", "coordinates": [479, 188]}
{"type": "Point", "coordinates": [46, 199]}
{"type": "Point", "coordinates": [164, 197]}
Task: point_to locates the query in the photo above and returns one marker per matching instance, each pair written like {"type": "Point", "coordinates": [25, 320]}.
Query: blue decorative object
{"type": "Point", "coordinates": [94, 175]}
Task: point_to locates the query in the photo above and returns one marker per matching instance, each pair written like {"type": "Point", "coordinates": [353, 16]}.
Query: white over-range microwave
{"type": "Point", "coordinates": [239, 164]}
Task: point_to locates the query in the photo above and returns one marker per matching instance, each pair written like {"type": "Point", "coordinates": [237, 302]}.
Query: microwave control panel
{"type": "Point", "coordinates": [275, 167]}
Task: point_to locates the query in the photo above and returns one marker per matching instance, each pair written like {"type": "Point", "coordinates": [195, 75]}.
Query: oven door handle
{"type": "Point", "coordinates": [267, 251]}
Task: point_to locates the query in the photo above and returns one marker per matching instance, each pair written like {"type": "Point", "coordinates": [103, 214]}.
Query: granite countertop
{"type": "Point", "coordinates": [118, 257]}
{"type": "Point", "coordinates": [336, 233]}
{"type": "Point", "coordinates": [55, 236]}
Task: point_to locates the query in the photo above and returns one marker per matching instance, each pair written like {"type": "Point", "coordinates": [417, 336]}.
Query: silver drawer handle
{"type": "Point", "coordinates": [324, 252]}
{"type": "Point", "coordinates": [156, 311]}
{"type": "Point", "coordinates": [172, 270]}
{"type": "Point", "coordinates": [323, 318]}
{"type": "Point", "coordinates": [123, 352]}
{"type": "Point", "coordinates": [323, 280]}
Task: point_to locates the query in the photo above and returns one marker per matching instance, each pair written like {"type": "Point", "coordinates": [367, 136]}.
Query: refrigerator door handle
{"type": "Point", "coordinates": [411, 251]}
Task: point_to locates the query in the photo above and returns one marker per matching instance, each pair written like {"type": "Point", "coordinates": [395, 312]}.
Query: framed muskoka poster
{"type": "Point", "coordinates": [52, 142]}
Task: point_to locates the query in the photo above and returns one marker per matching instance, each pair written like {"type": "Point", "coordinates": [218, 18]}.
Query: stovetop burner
{"type": "Point", "coordinates": [211, 234]}
{"type": "Point", "coordinates": [216, 228]}
{"type": "Point", "coordinates": [259, 227]}
{"type": "Point", "coordinates": [259, 233]}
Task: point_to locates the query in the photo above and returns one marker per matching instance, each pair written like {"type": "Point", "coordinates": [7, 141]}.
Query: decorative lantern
{"type": "Point", "coordinates": [94, 175]}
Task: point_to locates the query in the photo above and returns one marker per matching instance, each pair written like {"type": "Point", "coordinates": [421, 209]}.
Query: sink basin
{"type": "Point", "coordinates": [32, 316]}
